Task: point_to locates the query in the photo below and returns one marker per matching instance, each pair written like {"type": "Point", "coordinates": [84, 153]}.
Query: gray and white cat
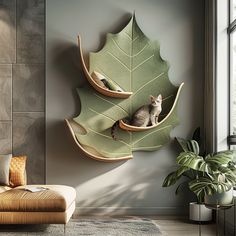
{"type": "Point", "coordinates": [148, 114]}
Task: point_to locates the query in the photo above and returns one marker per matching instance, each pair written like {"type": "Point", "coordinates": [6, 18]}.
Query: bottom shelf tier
{"type": "Point", "coordinates": [89, 151]}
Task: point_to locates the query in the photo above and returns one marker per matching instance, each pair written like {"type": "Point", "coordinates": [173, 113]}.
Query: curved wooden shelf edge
{"type": "Point", "coordinates": [97, 87]}
{"type": "Point", "coordinates": [91, 155]}
{"type": "Point", "coordinates": [132, 128]}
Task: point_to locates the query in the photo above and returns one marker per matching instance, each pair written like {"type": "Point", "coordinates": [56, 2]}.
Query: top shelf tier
{"type": "Point", "coordinates": [97, 87]}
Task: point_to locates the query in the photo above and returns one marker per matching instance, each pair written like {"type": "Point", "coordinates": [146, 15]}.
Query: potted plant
{"type": "Point", "coordinates": [210, 177]}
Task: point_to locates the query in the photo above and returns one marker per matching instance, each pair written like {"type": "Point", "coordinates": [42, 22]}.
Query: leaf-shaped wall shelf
{"type": "Point", "coordinates": [100, 89]}
{"type": "Point", "coordinates": [128, 127]}
{"type": "Point", "coordinates": [88, 151]}
{"type": "Point", "coordinates": [132, 61]}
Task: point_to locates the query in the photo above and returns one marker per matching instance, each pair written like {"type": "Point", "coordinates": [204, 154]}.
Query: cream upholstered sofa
{"type": "Point", "coordinates": [53, 206]}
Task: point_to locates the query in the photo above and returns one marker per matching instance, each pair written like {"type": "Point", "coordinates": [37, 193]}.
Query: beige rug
{"type": "Point", "coordinates": [88, 227]}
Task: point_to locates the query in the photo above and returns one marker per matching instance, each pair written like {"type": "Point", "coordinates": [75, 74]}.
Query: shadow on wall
{"type": "Point", "coordinates": [63, 150]}
{"type": "Point", "coordinates": [66, 63]}
{"type": "Point", "coordinates": [132, 193]}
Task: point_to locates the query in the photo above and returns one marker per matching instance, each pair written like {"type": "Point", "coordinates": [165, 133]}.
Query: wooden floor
{"type": "Point", "coordinates": [182, 227]}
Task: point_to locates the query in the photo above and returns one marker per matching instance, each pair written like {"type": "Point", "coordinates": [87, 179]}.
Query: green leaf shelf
{"type": "Point", "coordinates": [132, 61]}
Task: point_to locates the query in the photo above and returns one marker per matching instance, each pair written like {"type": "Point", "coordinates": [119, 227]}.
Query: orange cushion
{"type": "Point", "coordinates": [17, 171]}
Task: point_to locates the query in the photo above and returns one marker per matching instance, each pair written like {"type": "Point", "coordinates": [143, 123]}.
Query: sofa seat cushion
{"type": "Point", "coordinates": [57, 199]}
{"type": "Point", "coordinates": [4, 188]}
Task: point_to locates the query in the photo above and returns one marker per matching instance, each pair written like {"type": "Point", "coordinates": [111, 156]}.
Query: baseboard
{"type": "Point", "coordinates": [137, 211]}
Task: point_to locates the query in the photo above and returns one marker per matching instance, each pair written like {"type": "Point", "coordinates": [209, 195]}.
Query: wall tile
{"type": "Point", "coordinates": [5, 92]}
{"type": "Point", "coordinates": [29, 139]}
{"type": "Point", "coordinates": [8, 34]}
{"type": "Point", "coordinates": [30, 31]}
{"type": "Point", "coordinates": [5, 137]}
{"type": "Point", "coordinates": [28, 87]}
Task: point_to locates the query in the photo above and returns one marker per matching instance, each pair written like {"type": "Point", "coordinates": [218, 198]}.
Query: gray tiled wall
{"type": "Point", "coordinates": [28, 138]}
{"type": "Point", "coordinates": [8, 31]}
{"type": "Point", "coordinates": [28, 81]}
{"type": "Point", "coordinates": [22, 79]}
{"type": "Point", "coordinates": [30, 31]}
{"type": "Point", "coordinates": [5, 92]}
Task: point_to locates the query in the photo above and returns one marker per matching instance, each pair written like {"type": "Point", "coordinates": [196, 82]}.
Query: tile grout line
{"type": "Point", "coordinates": [12, 108]}
{"type": "Point", "coordinates": [28, 111]}
{"type": "Point", "coordinates": [16, 35]}
{"type": "Point", "coordinates": [31, 64]}
{"type": "Point", "coordinates": [45, 125]}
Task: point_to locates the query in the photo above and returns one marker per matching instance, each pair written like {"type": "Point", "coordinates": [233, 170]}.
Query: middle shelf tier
{"type": "Point", "coordinates": [132, 128]}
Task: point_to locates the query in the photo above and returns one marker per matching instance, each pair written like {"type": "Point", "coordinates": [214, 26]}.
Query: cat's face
{"type": "Point", "coordinates": [156, 101]}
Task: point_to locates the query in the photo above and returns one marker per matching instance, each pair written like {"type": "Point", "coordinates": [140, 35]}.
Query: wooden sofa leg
{"type": "Point", "coordinates": [64, 229]}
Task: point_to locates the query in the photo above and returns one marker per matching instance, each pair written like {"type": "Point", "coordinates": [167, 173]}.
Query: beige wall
{"type": "Point", "coordinates": [132, 187]}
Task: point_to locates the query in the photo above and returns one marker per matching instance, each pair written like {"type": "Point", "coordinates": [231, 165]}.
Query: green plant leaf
{"type": "Point", "coordinates": [182, 170]}
{"type": "Point", "coordinates": [170, 179]}
{"type": "Point", "coordinates": [193, 161]}
{"type": "Point", "coordinates": [173, 177]}
{"type": "Point", "coordinates": [188, 145]}
{"type": "Point", "coordinates": [182, 143]}
{"type": "Point", "coordinates": [133, 61]}
{"type": "Point", "coordinates": [206, 186]}
{"type": "Point", "coordinates": [180, 186]}
{"type": "Point", "coordinates": [220, 158]}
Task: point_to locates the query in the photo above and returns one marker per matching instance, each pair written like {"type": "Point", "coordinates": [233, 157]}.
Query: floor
{"type": "Point", "coordinates": [169, 226]}
{"type": "Point", "coordinates": [179, 226]}
{"type": "Point", "coordinates": [182, 227]}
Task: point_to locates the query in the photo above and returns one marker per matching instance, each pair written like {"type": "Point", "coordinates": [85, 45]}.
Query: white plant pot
{"type": "Point", "coordinates": [199, 212]}
{"type": "Point", "coordinates": [224, 198]}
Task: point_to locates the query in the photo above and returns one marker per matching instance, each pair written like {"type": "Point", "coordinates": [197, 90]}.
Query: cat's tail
{"type": "Point", "coordinates": [114, 129]}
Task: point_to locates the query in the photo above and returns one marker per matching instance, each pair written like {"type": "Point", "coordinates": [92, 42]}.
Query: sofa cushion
{"type": "Point", "coordinates": [4, 188]}
{"type": "Point", "coordinates": [58, 198]}
{"type": "Point", "coordinates": [17, 171]}
{"type": "Point", "coordinates": [4, 168]}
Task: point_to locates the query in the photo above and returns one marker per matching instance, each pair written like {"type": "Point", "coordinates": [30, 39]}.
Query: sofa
{"type": "Point", "coordinates": [20, 205]}
{"type": "Point", "coordinates": [53, 206]}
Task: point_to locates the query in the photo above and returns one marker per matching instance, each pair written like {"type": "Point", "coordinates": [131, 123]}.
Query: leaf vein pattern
{"type": "Point", "coordinates": [141, 50]}
{"type": "Point", "coordinates": [101, 114]}
{"type": "Point", "coordinates": [108, 137]}
{"type": "Point", "coordinates": [111, 103]}
{"type": "Point", "coordinates": [142, 62]}
{"type": "Point", "coordinates": [127, 35]}
{"type": "Point", "coordinates": [120, 48]}
{"type": "Point", "coordinates": [150, 147]}
{"type": "Point", "coordinates": [116, 58]}
{"type": "Point", "coordinates": [135, 38]}
{"type": "Point", "coordinates": [149, 82]}
{"type": "Point", "coordinates": [151, 133]}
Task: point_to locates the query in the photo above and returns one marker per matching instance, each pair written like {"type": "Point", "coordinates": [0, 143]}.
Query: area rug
{"type": "Point", "coordinates": [88, 227]}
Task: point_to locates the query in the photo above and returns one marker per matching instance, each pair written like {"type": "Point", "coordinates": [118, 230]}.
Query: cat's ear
{"type": "Point", "coordinates": [159, 96]}
{"type": "Point", "coordinates": [152, 98]}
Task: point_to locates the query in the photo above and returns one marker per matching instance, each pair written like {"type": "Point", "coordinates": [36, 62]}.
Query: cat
{"type": "Point", "coordinates": [146, 115]}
